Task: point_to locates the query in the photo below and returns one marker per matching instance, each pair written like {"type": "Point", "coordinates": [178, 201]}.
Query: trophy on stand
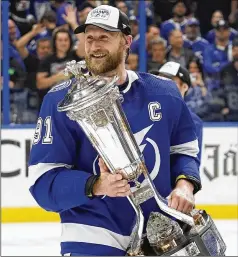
{"type": "Point", "coordinates": [94, 102]}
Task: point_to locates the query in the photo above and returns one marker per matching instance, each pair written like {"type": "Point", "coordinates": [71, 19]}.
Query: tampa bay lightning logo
{"type": "Point", "coordinates": [141, 137]}
{"type": "Point", "coordinates": [143, 141]}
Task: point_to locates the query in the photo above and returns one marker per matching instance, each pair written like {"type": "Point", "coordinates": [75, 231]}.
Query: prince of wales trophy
{"type": "Point", "coordinates": [94, 102]}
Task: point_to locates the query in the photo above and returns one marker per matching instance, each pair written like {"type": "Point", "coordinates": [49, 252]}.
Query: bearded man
{"type": "Point", "coordinates": [96, 217]}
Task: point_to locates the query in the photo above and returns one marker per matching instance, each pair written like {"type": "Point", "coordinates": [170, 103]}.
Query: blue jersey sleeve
{"type": "Point", "coordinates": [184, 148]}
{"type": "Point", "coordinates": [56, 184]}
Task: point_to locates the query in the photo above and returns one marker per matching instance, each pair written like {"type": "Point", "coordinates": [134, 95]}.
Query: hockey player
{"type": "Point", "coordinates": [96, 217]}
{"type": "Point", "coordinates": [181, 77]}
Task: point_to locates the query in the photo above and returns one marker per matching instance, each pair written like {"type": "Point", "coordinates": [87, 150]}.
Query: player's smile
{"type": "Point", "coordinates": [98, 56]}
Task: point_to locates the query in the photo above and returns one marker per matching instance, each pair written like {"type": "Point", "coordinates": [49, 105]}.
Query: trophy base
{"type": "Point", "coordinates": [202, 240]}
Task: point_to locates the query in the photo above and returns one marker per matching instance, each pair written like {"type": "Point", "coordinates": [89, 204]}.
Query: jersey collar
{"type": "Point", "coordinates": [132, 76]}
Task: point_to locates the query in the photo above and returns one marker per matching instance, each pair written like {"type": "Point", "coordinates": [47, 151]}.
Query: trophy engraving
{"type": "Point", "coordinates": [94, 102]}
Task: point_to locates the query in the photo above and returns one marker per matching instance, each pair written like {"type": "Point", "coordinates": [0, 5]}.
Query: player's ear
{"type": "Point", "coordinates": [185, 87]}
{"type": "Point", "coordinates": [128, 41]}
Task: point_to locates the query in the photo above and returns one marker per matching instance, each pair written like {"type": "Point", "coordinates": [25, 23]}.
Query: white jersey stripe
{"type": "Point", "coordinates": [190, 148]}
{"type": "Point", "coordinates": [72, 232]}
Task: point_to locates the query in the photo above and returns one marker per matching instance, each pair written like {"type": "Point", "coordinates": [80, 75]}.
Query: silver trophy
{"type": "Point", "coordinates": [94, 102]}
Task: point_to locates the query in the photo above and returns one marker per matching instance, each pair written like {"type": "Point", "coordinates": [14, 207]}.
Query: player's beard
{"type": "Point", "coordinates": [107, 64]}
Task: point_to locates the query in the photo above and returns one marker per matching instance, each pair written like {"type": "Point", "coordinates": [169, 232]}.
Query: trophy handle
{"type": "Point", "coordinates": [134, 247]}
{"type": "Point", "coordinates": [163, 204]}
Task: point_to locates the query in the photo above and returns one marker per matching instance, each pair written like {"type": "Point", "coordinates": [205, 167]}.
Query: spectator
{"type": "Point", "coordinates": [31, 61]}
{"type": "Point", "coordinates": [193, 40]}
{"type": "Point", "coordinates": [197, 97]}
{"type": "Point", "coordinates": [176, 51]}
{"type": "Point", "coordinates": [158, 51]}
{"type": "Point", "coordinates": [216, 17]}
{"type": "Point", "coordinates": [134, 24]}
{"type": "Point", "coordinates": [205, 10]}
{"type": "Point", "coordinates": [216, 55]}
{"type": "Point", "coordinates": [16, 84]}
{"type": "Point", "coordinates": [229, 82]}
{"type": "Point", "coordinates": [15, 71]}
{"type": "Point", "coordinates": [48, 21]}
{"type": "Point", "coordinates": [132, 62]}
{"type": "Point", "coordinates": [20, 14]}
{"type": "Point", "coordinates": [13, 53]}
{"type": "Point", "coordinates": [178, 21]}
{"type": "Point", "coordinates": [162, 8]}
{"type": "Point", "coordinates": [50, 69]}
{"type": "Point", "coordinates": [181, 77]}
{"type": "Point", "coordinates": [153, 33]}
{"type": "Point", "coordinates": [60, 7]}
{"type": "Point", "coordinates": [83, 11]}
{"type": "Point", "coordinates": [121, 5]}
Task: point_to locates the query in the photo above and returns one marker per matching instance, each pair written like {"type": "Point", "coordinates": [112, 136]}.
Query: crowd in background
{"type": "Point", "coordinates": [201, 35]}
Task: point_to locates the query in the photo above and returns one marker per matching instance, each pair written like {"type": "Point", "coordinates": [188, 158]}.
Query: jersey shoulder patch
{"type": "Point", "coordinates": [61, 86]}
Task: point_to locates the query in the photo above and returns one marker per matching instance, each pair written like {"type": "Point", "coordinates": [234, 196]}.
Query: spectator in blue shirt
{"type": "Point", "coordinates": [178, 21]}
{"type": "Point", "coordinates": [216, 55]}
{"type": "Point", "coordinates": [193, 40]}
{"type": "Point", "coordinates": [211, 35]}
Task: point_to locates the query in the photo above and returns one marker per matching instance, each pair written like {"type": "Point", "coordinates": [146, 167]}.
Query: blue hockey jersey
{"type": "Point", "coordinates": [62, 159]}
{"type": "Point", "coordinates": [169, 25]}
{"type": "Point", "coordinates": [211, 35]}
{"type": "Point", "coordinates": [198, 46]}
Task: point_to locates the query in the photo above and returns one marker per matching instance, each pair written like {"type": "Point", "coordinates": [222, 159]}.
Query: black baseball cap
{"type": "Point", "coordinates": [106, 17]}
{"type": "Point", "coordinates": [174, 69]}
{"type": "Point", "coordinates": [222, 24]}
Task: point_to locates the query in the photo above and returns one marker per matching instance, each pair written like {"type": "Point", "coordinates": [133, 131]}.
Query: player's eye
{"type": "Point", "coordinates": [89, 39]}
{"type": "Point", "coordinates": [103, 38]}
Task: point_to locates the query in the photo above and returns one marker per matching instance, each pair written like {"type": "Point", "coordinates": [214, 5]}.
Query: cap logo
{"type": "Point", "coordinates": [100, 14]}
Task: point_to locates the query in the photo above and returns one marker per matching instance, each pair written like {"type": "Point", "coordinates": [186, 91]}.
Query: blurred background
{"type": "Point", "coordinates": [36, 42]}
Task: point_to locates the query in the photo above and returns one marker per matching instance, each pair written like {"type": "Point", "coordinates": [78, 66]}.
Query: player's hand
{"type": "Point", "coordinates": [182, 198]}
{"type": "Point", "coordinates": [112, 185]}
